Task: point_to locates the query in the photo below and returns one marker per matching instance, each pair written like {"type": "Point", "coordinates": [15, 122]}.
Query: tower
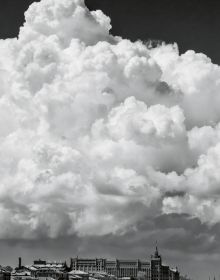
{"type": "Point", "coordinates": [156, 265]}
{"type": "Point", "coordinates": [156, 254]}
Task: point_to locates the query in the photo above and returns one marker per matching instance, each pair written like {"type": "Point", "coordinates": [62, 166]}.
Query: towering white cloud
{"type": "Point", "coordinates": [98, 132]}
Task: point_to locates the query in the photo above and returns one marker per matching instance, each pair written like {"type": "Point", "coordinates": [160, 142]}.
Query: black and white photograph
{"type": "Point", "coordinates": [110, 140]}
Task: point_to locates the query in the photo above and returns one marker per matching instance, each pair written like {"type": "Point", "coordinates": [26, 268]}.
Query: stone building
{"type": "Point", "coordinates": [117, 268]}
{"type": "Point", "coordinates": [138, 269]}
{"type": "Point", "coordinates": [160, 271]}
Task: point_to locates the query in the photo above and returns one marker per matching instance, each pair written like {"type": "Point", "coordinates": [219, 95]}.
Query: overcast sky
{"type": "Point", "coordinates": [108, 145]}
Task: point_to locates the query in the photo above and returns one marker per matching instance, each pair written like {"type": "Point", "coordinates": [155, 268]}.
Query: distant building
{"type": "Point", "coordinates": [4, 274]}
{"type": "Point", "coordinates": [22, 275]}
{"type": "Point", "coordinates": [138, 269]}
{"type": "Point", "coordinates": [97, 269]}
{"type": "Point", "coordinates": [100, 275]}
{"type": "Point", "coordinates": [117, 268]}
{"type": "Point", "coordinates": [158, 271]}
{"type": "Point", "coordinates": [41, 270]}
{"type": "Point", "coordinates": [78, 274]}
{"type": "Point", "coordinates": [88, 265]}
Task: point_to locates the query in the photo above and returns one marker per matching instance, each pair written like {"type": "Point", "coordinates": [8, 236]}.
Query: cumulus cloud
{"type": "Point", "coordinates": [97, 131]}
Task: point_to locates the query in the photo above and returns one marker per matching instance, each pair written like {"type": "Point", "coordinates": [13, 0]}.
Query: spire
{"type": "Point", "coordinates": [156, 254]}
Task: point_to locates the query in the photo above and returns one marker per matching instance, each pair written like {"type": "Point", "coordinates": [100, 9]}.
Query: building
{"type": "Point", "coordinates": [160, 271]}
{"type": "Point", "coordinates": [54, 270]}
{"type": "Point", "coordinates": [88, 265]}
{"type": "Point", "coordinates": [100, 275]}
{"type": "Point", "coordinates": [4, 274]}
{"type": "Point", "coordinates": [22, 275]}
{"type": "Point", "coordinates": [129, 268]}
{"type": "Point", "coordinates": [78, 274]}
{"type": "Point", "coordinates": [117, 268]}
{"type": "Point", "coordinates": [138, 269]}
{"type": "Point", "coordinates": [97, 269]}
{"type": "Point", "coordinates": [41, 270]}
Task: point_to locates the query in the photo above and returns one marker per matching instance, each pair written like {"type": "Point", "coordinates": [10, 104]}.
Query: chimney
{"type": "Point", "coordinates": [19, 262]}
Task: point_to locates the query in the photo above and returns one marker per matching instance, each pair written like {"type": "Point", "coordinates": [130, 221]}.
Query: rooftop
{"type": "Point", "coordinates": [78, 272]}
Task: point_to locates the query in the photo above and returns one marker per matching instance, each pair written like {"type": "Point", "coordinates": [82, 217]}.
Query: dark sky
{"type": "Point", "coordinates": [193, 24]}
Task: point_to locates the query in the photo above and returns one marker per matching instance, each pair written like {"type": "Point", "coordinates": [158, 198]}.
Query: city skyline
{"type": "Point", "coordinates": [152, 269]}
{"type": "Point", "coordinates": [71, 261]}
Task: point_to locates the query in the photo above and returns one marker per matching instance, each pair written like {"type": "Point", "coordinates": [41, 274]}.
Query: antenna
{"type": "Point", "coordinates": [156, 246]}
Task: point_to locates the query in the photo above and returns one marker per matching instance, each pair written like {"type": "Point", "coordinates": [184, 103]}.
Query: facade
{"type": "Point", "coordinates": [117, 268]}
{"type": "Point", "coordinates": [88, 265]}
{"type": "Point", "coordinates": [138, 269]}
{"type": "Point", "coordinates": [127, 268]}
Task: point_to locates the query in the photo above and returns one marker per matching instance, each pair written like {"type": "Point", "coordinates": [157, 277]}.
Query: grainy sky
{"type": "Point", "coordinates": [105, 149]}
